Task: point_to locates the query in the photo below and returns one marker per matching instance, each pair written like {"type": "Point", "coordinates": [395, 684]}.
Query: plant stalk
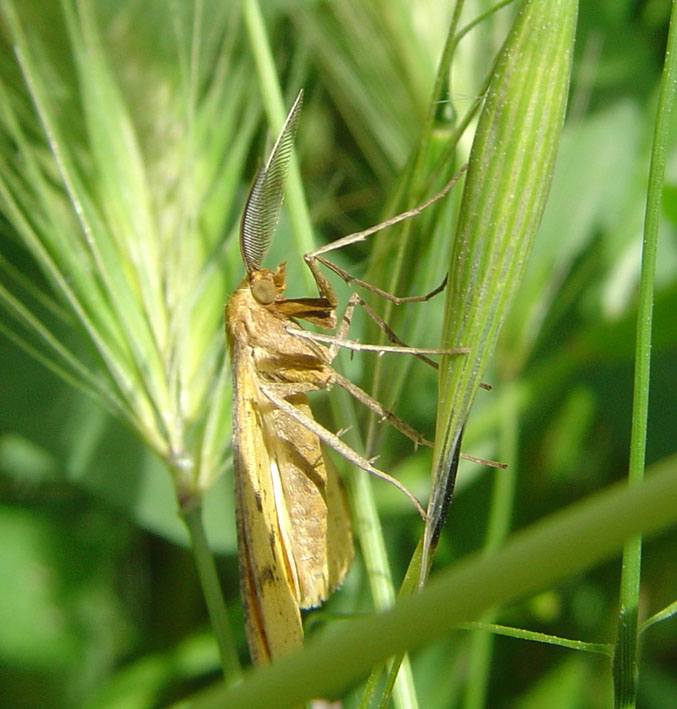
{"type": "Point", "coordinates": [503, 496]}
{"type": "Point", "coordinates": [211, 589]}
{"type": "Point", "coordinates": [625, 656]}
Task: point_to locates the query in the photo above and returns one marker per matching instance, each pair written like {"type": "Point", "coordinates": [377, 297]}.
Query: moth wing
{"type": "Point", "coordinates": [340, 548]}
{"type": "Point", "coordinates": [318, 535]}
{"type": "Point", "coordinates": [269, 590]}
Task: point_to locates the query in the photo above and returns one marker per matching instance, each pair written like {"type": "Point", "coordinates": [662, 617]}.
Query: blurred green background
{"type": "Point", "coordinates": [99, 600]}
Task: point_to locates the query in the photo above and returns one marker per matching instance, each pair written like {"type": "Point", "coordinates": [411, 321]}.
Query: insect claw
{"type": "Point", "coordinates": [343, 431]}
{"type": "Point", "coordinates": [484, 461]}
{"type": "Point", "coordinates": [352, 352]}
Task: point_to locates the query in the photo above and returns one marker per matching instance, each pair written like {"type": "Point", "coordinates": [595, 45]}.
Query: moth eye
{"type": "Point", "coordinates": [264, 292]}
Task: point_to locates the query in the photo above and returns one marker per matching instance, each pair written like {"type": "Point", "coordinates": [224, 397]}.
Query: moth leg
{"type": "Point", "coordinates": [360, 236]}
{"type": "Point", "coordinates": [398, 423]}
{"type": "Point", "coordinates": [271, 393]}
{"type": "Point", "coordinates": [397, 300]}
{"type": "Point", "coordinates": [339, 340]}
{"type": "Point", "coordinates": [419, 353]}
{"type": "Point", "coordinates": [313, 257]}
{"type": "Point", "coordinates": [390, 333]}
{"type": "Point", "coordinates": [484, 461]}
{"type": "Point", "coordinates": [378, 408]}
{"type": "Point", "coordinates": [288, 388]}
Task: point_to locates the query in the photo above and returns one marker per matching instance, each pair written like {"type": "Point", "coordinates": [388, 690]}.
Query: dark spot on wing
{"type": "Point", "coordinates": [257, 500]}
{"type": "Point", "coordinates": [267, 575]}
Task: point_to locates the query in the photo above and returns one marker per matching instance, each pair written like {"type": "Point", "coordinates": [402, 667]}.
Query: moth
{"type": "Point", "coordinates": [293, 524]}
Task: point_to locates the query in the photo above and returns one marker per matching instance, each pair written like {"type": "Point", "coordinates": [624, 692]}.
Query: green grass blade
{"type": "Point", "coordinates": [626, 648]}
{"type": "Point", "coordinates": [511, 166]}
{"type": "Point", "coordinates": [565, 543]}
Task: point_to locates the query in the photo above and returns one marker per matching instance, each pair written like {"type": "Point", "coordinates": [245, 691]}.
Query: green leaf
{"type": "Point", "coordinates": [511, 166]}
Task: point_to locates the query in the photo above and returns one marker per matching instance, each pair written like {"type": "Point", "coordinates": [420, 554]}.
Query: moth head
{"type": "Point", "coordinates": [267, 285]}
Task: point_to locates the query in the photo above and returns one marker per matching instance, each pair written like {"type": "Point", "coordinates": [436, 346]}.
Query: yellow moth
{"type": "Point", "coordinates": [294, 534]}
{"type": "Point", "coordinates": [294, 537]}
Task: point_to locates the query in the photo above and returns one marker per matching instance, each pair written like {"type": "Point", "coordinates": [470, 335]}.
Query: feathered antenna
{"type": "Point", "coordinates": [262, 210]}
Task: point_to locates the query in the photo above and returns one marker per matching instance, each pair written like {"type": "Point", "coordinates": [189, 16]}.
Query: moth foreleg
{"type": "Point", "coordinates": [325, 288]}
{"type": "Point", "coordinates": [359, 236]}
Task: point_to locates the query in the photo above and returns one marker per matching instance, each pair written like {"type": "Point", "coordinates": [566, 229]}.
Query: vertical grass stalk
{"type": "Point", "coordinates": [211, 589]}
{"type": "Point", "coordinates": [625, 654]}
{"type": "Point", "coordinates": [502, 499]}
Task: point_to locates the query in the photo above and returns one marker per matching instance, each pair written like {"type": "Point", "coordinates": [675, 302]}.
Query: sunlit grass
{"type": "Point", "coordinates": [128, 136]}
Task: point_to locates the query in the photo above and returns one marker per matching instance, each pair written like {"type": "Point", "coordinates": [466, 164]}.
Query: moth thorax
{"type": "Point", "coordinates": [263, 288]}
